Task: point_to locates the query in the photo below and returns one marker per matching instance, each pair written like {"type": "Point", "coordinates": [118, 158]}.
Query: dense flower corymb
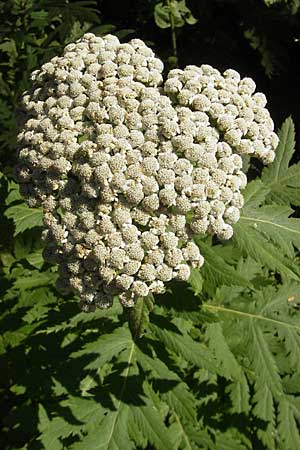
{"type": "Point", "coordinates": [128, 169]}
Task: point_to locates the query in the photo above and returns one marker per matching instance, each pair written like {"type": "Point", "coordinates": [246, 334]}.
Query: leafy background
{"type": "Point", "coordinates": [217, 365]}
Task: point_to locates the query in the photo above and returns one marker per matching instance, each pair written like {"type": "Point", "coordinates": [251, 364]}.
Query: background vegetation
{"type": "Point", "coordinates": [218, 365]}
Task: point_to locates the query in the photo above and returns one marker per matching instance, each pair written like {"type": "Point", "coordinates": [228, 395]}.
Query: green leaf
{"type": "Point", "coordinates": [175, 12]}
{"type": "Point", "coordinates": [178, 397]}
{"type": "Point", "coordinates": [148, 420]}
{"type": "Point", "coordinates": [186, 12]}
{"type": "Point", "coordinates": [260, 226]}
{"type": "Point", "coordinates": [190, 19]}
{"type": "Point", "coordinates": [274, 223]}
{"type": "Point", "coordinates": [43, 418]}
{"type": "Point", "coordinates": [276, 305]}
{"type": "Point", "coordinates": [86, 413]}
{"type": "Point", "coordinates": [22, 246]}
{"type": "Point", "coordinates": [111, 434]}
{"type": "Point", "coordinates": [267, 383]}
{"type": "Point", "coordinates": [216, 271]}
{"type": "Point", "coordinates": [254, 195]}
{"type": "Point", "coordinates": [268, 334]}
{"type": "Point", "coordinates": [260, 315]}
{"type": "Point", "coordinates": [239, 395]}
{"type": "Point", "coordinates": [283, 180]}
{"type": "Point", "coordinates": [254, 244]}
{"type": "Point", "coordinates": [36, 259]}
{"type": "Point", "coordinates": [77, 31]}
{"type": "Point", "coordinates": [35, 279]}
{"type": "Point", "coordinates": [138, 316]}
{"type": "Point", "coordinates": [48, 441]}
{"type": "Point", "coordinates": [18, 389]}
{"type": "Point", "coordinates": [217, 343]}
{"type": "Point", "coordinates": [196, 281]}
{"type": "Point", "coordinates": [289, 417]}
{"type": "Point", "coordinates": [162, 15]}
{"type": "Point", "coordinates": [264, 362]}
{"type": "Point", "coordinates": [36, 313]}
{"type": "Point", "coordinates": [182, 402]}
{"type": "Point", "coordinates": [86, 384]}
{"type": "Point", "coordinates": [35, 297]}
{"type": "Point", "coordinates": [24, 217]}
{"type": "Point", "coordinates": [14, 193]}
{"type": "Point", "coordinates": [230, 368]}
{"type": "Point", "coordinates": [107, 346]}
{"type": "Point", "coordinates": [183, 345]}
{"type": "Point", "coordinates": [291, 383]}
{"type": "Point", "coordinates": [188, 437]}
{"type": "Point", "coordinates": [291, 338]}
{"type": "Point", "coordinates": [230, 440]}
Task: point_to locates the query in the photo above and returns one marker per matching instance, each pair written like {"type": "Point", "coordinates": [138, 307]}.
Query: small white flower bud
{"type": "Point", "coordinates": [183, 272]}
{"type": "Point", "coordinates": [140, 289]}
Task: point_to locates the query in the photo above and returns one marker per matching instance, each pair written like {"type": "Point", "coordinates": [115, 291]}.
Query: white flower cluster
{"type": "Point", "coordinates": [128, 171]}
{"type": "Point", "coordinates": [220, 119]}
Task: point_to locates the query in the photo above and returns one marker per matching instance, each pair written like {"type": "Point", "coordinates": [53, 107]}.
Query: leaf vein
{"type": "Point", "coordinates": [291, 230]}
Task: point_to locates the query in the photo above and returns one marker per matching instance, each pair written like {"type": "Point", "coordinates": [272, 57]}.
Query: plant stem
{"type": "Point", "coordinates": [173, 32]}
{"type": "Point", "coordinates": [138, 316]}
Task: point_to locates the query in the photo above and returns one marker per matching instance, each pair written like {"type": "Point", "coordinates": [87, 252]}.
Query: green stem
{"type": "Point", "coordinates": [138, 316]}
{"type": "Point", "coordinates": [248, 315]}
{"type": "Point", "coordinates": [173, 32]}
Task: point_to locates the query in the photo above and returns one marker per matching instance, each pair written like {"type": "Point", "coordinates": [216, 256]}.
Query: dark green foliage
{"type": "Point", "coordinates": [175, 11]}
{"type": "Point", "coordinates": [215, 366]}
{"type": "Point", "coordinates": [211, 365]}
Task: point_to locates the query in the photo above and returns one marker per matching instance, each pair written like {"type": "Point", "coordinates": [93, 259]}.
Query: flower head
{"type": "Point", "coordinates": [119, 161]}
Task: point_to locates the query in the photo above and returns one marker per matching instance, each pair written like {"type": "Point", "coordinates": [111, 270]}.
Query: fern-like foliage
{"type": "Point", "coordinates": [217, 365]}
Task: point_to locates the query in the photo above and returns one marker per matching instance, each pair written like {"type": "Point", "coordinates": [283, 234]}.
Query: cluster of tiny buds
{"type": "Point", "coordinates": [128, 170]}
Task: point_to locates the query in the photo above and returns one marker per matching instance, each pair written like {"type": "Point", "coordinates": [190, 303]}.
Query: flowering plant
{"type": "Point", "coordinates": [129, 169]}
{"type": "Point", "coordinates": [143, 190]}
